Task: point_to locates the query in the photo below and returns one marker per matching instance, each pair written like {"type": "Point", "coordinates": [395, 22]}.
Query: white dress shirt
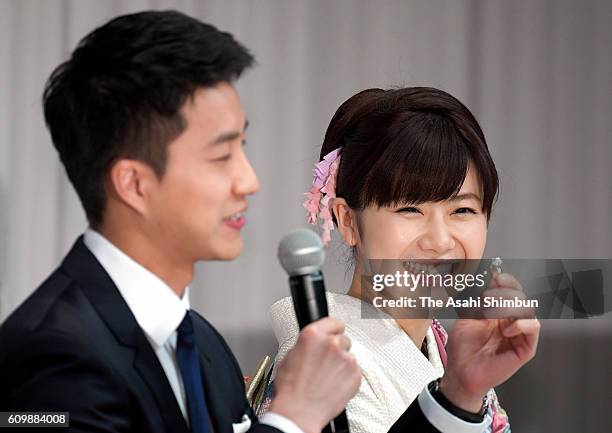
{"type": "Point", "coordinates": [158, 311]}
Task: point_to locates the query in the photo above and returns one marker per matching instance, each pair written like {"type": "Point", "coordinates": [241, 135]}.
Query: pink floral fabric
{"type": "Point", "coordinates": [323, 189]}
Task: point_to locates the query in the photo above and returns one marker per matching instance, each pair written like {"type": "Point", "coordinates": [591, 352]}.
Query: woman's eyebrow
{"type": "Point", "coordinates": [465, 196]}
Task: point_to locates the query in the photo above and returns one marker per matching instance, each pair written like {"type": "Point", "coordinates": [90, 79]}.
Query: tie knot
{"type": "Point", "coordinates": [185, 328]}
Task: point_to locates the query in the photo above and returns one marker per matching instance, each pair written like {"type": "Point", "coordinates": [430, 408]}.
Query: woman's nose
{"type": "Point", "coordinates": [437, 238]}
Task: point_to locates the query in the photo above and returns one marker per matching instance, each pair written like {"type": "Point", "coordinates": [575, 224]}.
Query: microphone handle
{"type": "Point", "coordinates": [308, 293]}
{"type": "Point", "coordinates": [310, 304]}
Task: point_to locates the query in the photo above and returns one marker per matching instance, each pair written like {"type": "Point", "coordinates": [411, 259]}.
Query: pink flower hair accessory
{"type": "Point", "coordinates": [321, 192]}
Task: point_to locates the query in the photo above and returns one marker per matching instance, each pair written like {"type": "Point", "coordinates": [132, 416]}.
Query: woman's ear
{"type": "Point", "coordinates": [345, 217]}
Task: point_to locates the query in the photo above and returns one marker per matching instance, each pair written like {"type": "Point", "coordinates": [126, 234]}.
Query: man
{"type": "Point", "coordinates": [150, 130]}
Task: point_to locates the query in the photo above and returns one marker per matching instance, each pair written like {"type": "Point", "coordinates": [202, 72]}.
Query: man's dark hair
{"type": "Point", "coordinates": [121, 92]}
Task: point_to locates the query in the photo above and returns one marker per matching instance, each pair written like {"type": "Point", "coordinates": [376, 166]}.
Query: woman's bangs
{"type": "Point", "coordinates": [426, 160]}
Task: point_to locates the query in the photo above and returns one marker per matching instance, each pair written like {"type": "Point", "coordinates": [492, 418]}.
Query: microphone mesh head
{"type": "Point", "coordinates": [301, 252]}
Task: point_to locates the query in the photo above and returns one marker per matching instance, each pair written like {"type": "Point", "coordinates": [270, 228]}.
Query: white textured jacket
{"type": "Point", "coordinates": [395, 371]}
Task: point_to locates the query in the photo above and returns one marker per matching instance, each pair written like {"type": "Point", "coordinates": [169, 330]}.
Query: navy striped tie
{"type": "Point", "coordinates": [189, 364]}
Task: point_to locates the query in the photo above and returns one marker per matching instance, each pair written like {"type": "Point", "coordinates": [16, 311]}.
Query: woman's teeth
{"type": "Point", "coordinates": [442, 269]}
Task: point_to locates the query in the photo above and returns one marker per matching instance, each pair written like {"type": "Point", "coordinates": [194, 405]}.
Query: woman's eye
{"type": "Point", "coordinates": [409, 209]}
{"type": "Point", "coordinates": [466, 210]}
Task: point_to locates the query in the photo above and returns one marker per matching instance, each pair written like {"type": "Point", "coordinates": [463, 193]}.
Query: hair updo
{"type": "Point", "coordinates": [409, 145]}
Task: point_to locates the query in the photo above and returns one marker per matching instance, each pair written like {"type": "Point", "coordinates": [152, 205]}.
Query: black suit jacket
{"type": "Point", "coordinates": [75, 346]}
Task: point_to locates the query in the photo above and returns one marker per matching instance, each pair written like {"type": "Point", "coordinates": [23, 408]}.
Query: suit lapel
{"type": "Point", "coordinates": [82, 265]}
{"type": "Point", "coordinates": [219, 410]}
{"type": "Point", "coordinates": [147, 365]}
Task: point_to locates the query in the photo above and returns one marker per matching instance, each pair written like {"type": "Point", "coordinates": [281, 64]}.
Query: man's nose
{"type": "Point", "coordinates": [246, 182]}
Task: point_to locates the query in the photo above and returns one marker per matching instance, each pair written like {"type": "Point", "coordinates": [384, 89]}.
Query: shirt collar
{"type": "Point", "coordinates": [157, 309]}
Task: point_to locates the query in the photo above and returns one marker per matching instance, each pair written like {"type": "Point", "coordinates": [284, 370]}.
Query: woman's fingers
{"type": "Point", "coordinates": [524, 335]}
{"type": "Point", "coordinates": [505, 280]}
{"type": "Point", "coordinates": [504, 302]}
{"type": "Point", "coordinates": [527, 327]}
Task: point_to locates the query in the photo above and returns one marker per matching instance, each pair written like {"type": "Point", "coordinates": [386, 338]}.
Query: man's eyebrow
{"type": "Point", "coordinates": [466, 196]}
{"type": "Point", "coordinates": [230, 136]}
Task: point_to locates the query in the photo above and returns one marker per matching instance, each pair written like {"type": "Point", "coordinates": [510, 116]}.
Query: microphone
{"type": "Point", "coordinates": [301, 255]}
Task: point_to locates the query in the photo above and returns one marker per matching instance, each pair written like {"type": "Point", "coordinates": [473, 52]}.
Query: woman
{"type": "Point", "coordinates": [403, 174]}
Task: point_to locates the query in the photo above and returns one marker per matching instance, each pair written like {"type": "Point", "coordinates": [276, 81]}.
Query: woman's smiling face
{"type": "Point", "coordinates": [452, 229]}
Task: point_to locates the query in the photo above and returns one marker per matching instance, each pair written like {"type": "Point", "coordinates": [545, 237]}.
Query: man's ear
{"type": "Point", "coordinates": [130, 182]}
{"type": "Point", "coordinates": [345, 217]}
